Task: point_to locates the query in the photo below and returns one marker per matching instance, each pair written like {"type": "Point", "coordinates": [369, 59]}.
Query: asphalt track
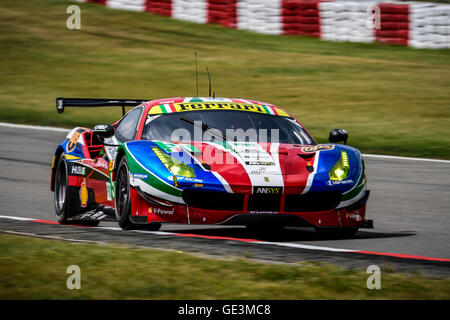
{"type": "Point", "coordinates": [409, 203]}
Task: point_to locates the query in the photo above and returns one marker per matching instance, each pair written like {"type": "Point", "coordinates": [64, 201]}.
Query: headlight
{"type": "Point", "coordinates": [340, 169]}
{"type": "Point", "coordinates": [175, 166]}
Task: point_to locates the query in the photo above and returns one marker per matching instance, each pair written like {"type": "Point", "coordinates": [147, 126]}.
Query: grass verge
{"type": "Point", "coordinates": [33, 268]}
{"type": "Point", "coordinates": [392, 100]}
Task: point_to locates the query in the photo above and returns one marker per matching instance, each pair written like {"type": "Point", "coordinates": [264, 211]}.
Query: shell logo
{"type": "Point", "coordinates": [83, 194]}
{"type": "Point", "coordinates": [73, 142]}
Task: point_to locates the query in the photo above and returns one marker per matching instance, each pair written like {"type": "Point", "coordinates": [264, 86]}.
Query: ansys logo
{"type": "Point", "coordinates": [267, 190]}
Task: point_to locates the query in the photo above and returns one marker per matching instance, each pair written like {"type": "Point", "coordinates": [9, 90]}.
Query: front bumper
{"type": "Point", "coordinates": [147, 209]}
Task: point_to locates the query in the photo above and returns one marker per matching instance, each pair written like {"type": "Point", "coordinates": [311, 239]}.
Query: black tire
{"type": "Point", "coordinates": [66, 199]}
{"type": "Point", "coordinates": [336, 233]}
{"type": "Point", "coordinates": [122, 196]}
{"type": "Point", "coordinates": [61, 194]}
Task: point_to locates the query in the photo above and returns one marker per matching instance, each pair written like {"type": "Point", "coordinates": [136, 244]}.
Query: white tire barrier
{"type": "Point", "coordinates": [415, 24]}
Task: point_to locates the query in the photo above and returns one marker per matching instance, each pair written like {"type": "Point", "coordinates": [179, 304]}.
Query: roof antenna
{"type": "Point", "coordinates": [196, 72]}
{"type": "Point", "coordinates": [209, 78]}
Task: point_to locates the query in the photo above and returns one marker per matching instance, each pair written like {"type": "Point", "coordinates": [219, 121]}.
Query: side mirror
{"type": "Point", "coordinates": [338, 135]}
{"type": "Point", "coordinates": [103, 130]}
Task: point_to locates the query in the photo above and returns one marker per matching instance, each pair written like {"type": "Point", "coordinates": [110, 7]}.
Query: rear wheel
{"type": "Point", "coordinates": [67, 199]}
{"type": "Point", "coordinates": [60, 195]}
{"type": "Point", "coordinates": [122, 196]}
{"type": "Point", "coordinates": [336, 233]}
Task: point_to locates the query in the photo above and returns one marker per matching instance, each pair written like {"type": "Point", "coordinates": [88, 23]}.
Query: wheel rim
{"type": "Point", "coordinates": [60, 188]}
{"type": "Point", "coordinates": [123, 190]}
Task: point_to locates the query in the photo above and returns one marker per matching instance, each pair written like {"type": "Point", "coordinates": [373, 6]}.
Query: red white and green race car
{"type": "Point", "coordinates": [207, 161]}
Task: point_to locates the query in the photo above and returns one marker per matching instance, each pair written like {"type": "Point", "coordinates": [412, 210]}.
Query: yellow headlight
{"type": "Point", "coordinates": [341, 168]}
{"type": "Point", "coordinates": [173, 165]}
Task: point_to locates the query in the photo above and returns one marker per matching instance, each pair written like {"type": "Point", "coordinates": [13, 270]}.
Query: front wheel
{"type": "Point", "coordinates": [122, 196]}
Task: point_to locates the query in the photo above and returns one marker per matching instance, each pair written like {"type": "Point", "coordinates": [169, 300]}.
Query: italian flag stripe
{"type": "Point", "coordinates": [172, 108]}
{"type": "Point", "coordinates": [275, 111]}
{"type": "Point", "coordinates": [265, 109]}
{"type": "Point", "coordinates": [163, 108]}
{"type": "Point", "coordinates": [167, 107]}
{"type": "Point", "coordinates": [268, 109]}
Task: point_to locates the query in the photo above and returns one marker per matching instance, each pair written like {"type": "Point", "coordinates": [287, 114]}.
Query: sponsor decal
{"type": "Point", "coordinates": [341, 182]}
{"type": "Point", "coordinates": [161, 211]}
{"type": "Point", "coordinates": [186, 179]}
{"type": "Point", "coordinates": [139, 175]}
{"type": "Point", "coordinates": [267, 190]}
{"type": "Point", "coordinates": [60, 105]}
{"type": "Point", "coordinates": [73, 141]}
{"type": "Point", "coordinates": [78, 171]}
{"type": "Point", "coordinates": [262, 171]}
{"type": "Point", "coordinates": [259, 163]}
{"type": "Point", "coordinates": [100, 127]}
{"type": "Point", "coordinates": [101, 163]}
{"type": "Point", "coordinates": [353, 216]}
{"type": "Point", "coordinates": [195, 106]}
{"type": "Point", "coordinates": [109, 191]}
{"type": "Point", "coordinates": [83, 194]}
{"type": "Point", "coordinates": [263, 212]}
{"type": "Point", "coordinates": [319, 147]}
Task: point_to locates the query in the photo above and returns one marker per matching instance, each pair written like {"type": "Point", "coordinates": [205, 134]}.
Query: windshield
{"type": "Point", "coordinates": [220, 125]}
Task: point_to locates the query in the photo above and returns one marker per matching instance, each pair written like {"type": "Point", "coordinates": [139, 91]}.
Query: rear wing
{"type": "Point", "coordinates": [62, 103]}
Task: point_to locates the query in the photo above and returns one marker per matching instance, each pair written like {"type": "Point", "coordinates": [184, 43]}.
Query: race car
{"type": "Point", "coordinates": [205, 160]}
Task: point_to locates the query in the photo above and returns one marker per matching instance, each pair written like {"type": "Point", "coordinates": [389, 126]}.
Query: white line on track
{"type": "Point", "coordinates": [163, 233]}
{"type": "Point", "coordinates": [403, 158]}
{"type": "Point", "coordinates": [305, 246]}
{"type": "Point", "coordinates": [26, 126]}
{"type": "Point", "coordinates": [380, 156]}
{"type": "Point", "coordinates": [16, 218]}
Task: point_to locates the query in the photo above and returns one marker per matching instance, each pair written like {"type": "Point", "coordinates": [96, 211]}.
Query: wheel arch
{"type": "Point", "coordinates": [120, 154]}
{"type": "Point", "coordinates": [59, 151]}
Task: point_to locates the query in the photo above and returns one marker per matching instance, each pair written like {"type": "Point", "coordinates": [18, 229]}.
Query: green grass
{"type": "Point", "coordinates": [392, 100]}
{"type": "Point", "coordinates": [33, 268]}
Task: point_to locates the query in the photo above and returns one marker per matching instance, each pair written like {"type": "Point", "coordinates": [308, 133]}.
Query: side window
{"type": "Point", "coordinates": [127, 127]}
